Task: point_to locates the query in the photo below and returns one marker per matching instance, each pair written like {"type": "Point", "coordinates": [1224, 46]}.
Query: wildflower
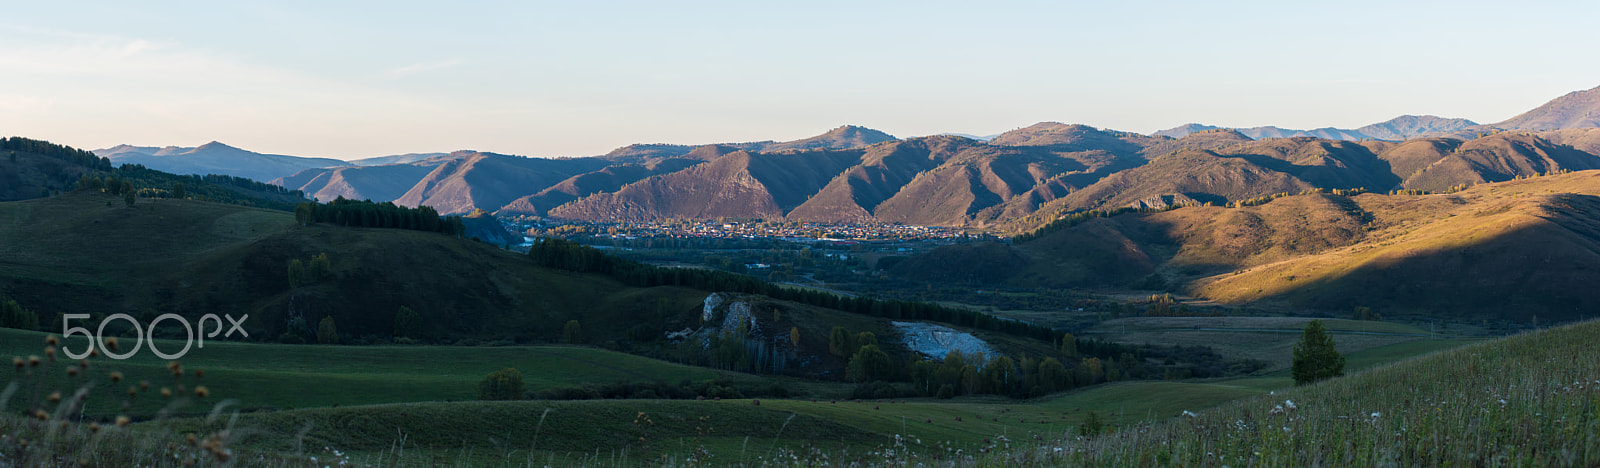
{"type": "Point", "coordinates": [166, 392]}
{"type": "Point", "coordinates": [1189, 414]}
{"type": "Point", "coordinates": [17, 361]}
{"type": "Point", "coordinates": [116, 377]}
{"type": "Point", "coordinates": [133, 391]}
{"type": "Point", "coordinates": [111, 343]}
{"type": "Point", "coordinates": [201, 392]}
{"type": "Point", "coordinates": [72, 372]}
{"type": "Point", "coordinates": [122, 421]}
{"type": "Point", "coordinates": [52, 340]}
{"type": "Point", "coordinates": [33, 361]}
{"type": "Point", "coordinates": [1289, 405]}
{"type": "Point", "coordinates": [43, 416]}
{"type": "Point", "coordinates": [55, 397]}
{"type": "Point", "coordinates": [94, 427]}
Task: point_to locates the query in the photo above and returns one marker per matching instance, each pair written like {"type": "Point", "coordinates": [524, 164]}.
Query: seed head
{"type": "Point", "coordinates": [133, 391]}
{"type": "Point", "coordinates": [52, 340]}
{"type": "Point", "coordinates": [122, 421]}
{"type": "Point", "coordinates": [116, 377]}
{"type": "Point", "coordinates": [72, 371]}
{"type": "Point", "coordinates": [50, 352]}
{"type": "Point", "coordinates": [94, 427]}
{"type": "Point", "coordinates": [144, 385]}
{"type": "Point", "coordinates": [84, 363]}
{"type": "Point", "coordinates": [200, 373]}
{"type": "Point", "coordinates": [43, 416]}
{"type": "Point", "coordinates": [166, 392]}
{"type": "Point", "coordinates": [55, 397]}
{"type": "Point", "coordinates": [19, 362]}
{"type": "Point", "coordinates": [111, 343]}
{"type": "Point", "coordinates": [33, 361]}
{"type": "Point", "coordinates": [201, 391]}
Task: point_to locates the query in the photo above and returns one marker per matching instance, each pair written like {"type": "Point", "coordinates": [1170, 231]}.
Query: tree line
{"type": "Point", "coordinates": [572, 256]}
{"type": "Point", "coordinates": [366, 213]}
{"type": "Point", "coordinates": [62, 152]}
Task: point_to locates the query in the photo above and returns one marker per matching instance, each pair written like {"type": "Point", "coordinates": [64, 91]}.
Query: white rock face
{"type": "Point", "coordinates": [739, 312]}
{"type": "Point", "coordinates": [710, 312]}
{"type": "Point", "coordinates": [936, 341]}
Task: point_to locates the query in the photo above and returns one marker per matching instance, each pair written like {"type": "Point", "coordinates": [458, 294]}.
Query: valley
{"type": "Point", "coordinates": [1055, 294]}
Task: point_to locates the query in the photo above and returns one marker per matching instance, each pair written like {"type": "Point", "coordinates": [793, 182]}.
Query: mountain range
{"type": "Point", "coordinates": [1016, 180]}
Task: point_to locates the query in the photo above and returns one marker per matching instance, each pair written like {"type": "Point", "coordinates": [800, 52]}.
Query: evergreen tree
{"type": "Point", "coordinates": [1315, 357]}
{"type": "Point", "coordinates": [179, 192]}
{"type": "Point", "coordinates": [127, 195]}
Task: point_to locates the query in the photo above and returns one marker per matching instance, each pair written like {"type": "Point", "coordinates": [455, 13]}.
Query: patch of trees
{"type": "Point", "coordinates": [302, 275]}
{"type": "Point", "coordinates": [572, 256]}
{"type": "Point", "coordinates": [503, 384]}
{"type": "Point", "coordinates": [13, 315]}
{"type": "Point", "coordinates": [366, 213]}
{"type": "Point", "coordinates": [151, 183]}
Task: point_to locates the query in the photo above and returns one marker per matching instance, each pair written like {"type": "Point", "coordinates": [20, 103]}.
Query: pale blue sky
{"type": "Point", "coordinates": [580, 78]}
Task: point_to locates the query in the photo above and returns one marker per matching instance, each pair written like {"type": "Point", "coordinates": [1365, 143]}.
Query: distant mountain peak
{"type": "Point", "coordinates": [215, 145]}
{"type": "Point", "coordinates": [1577, 109]}
{"type": "Point", "coordinates": [1398, 128]}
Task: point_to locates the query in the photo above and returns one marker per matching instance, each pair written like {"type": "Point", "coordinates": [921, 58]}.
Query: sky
{"type": "Point", "coordinates": [350, 80]}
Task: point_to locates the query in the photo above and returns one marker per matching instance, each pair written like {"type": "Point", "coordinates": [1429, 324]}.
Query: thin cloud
{"type": "Point", "coordinates": [422, 67]}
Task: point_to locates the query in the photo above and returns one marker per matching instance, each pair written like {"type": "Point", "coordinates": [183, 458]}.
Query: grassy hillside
{"type": "Point", "coordinates": [1503, 251]}
{"type": "Point", "coordinates": [1526, 400]}
{"type": "Point", "coordinates": [1513, 250]}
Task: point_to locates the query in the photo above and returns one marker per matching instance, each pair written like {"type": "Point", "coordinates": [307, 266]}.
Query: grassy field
{"type": "Point", "coordinates": [1269, 339]}
{"type": "Point", "coordinates": [303, 376]}
{"type": "Point", "coordinates": [604, 432]}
